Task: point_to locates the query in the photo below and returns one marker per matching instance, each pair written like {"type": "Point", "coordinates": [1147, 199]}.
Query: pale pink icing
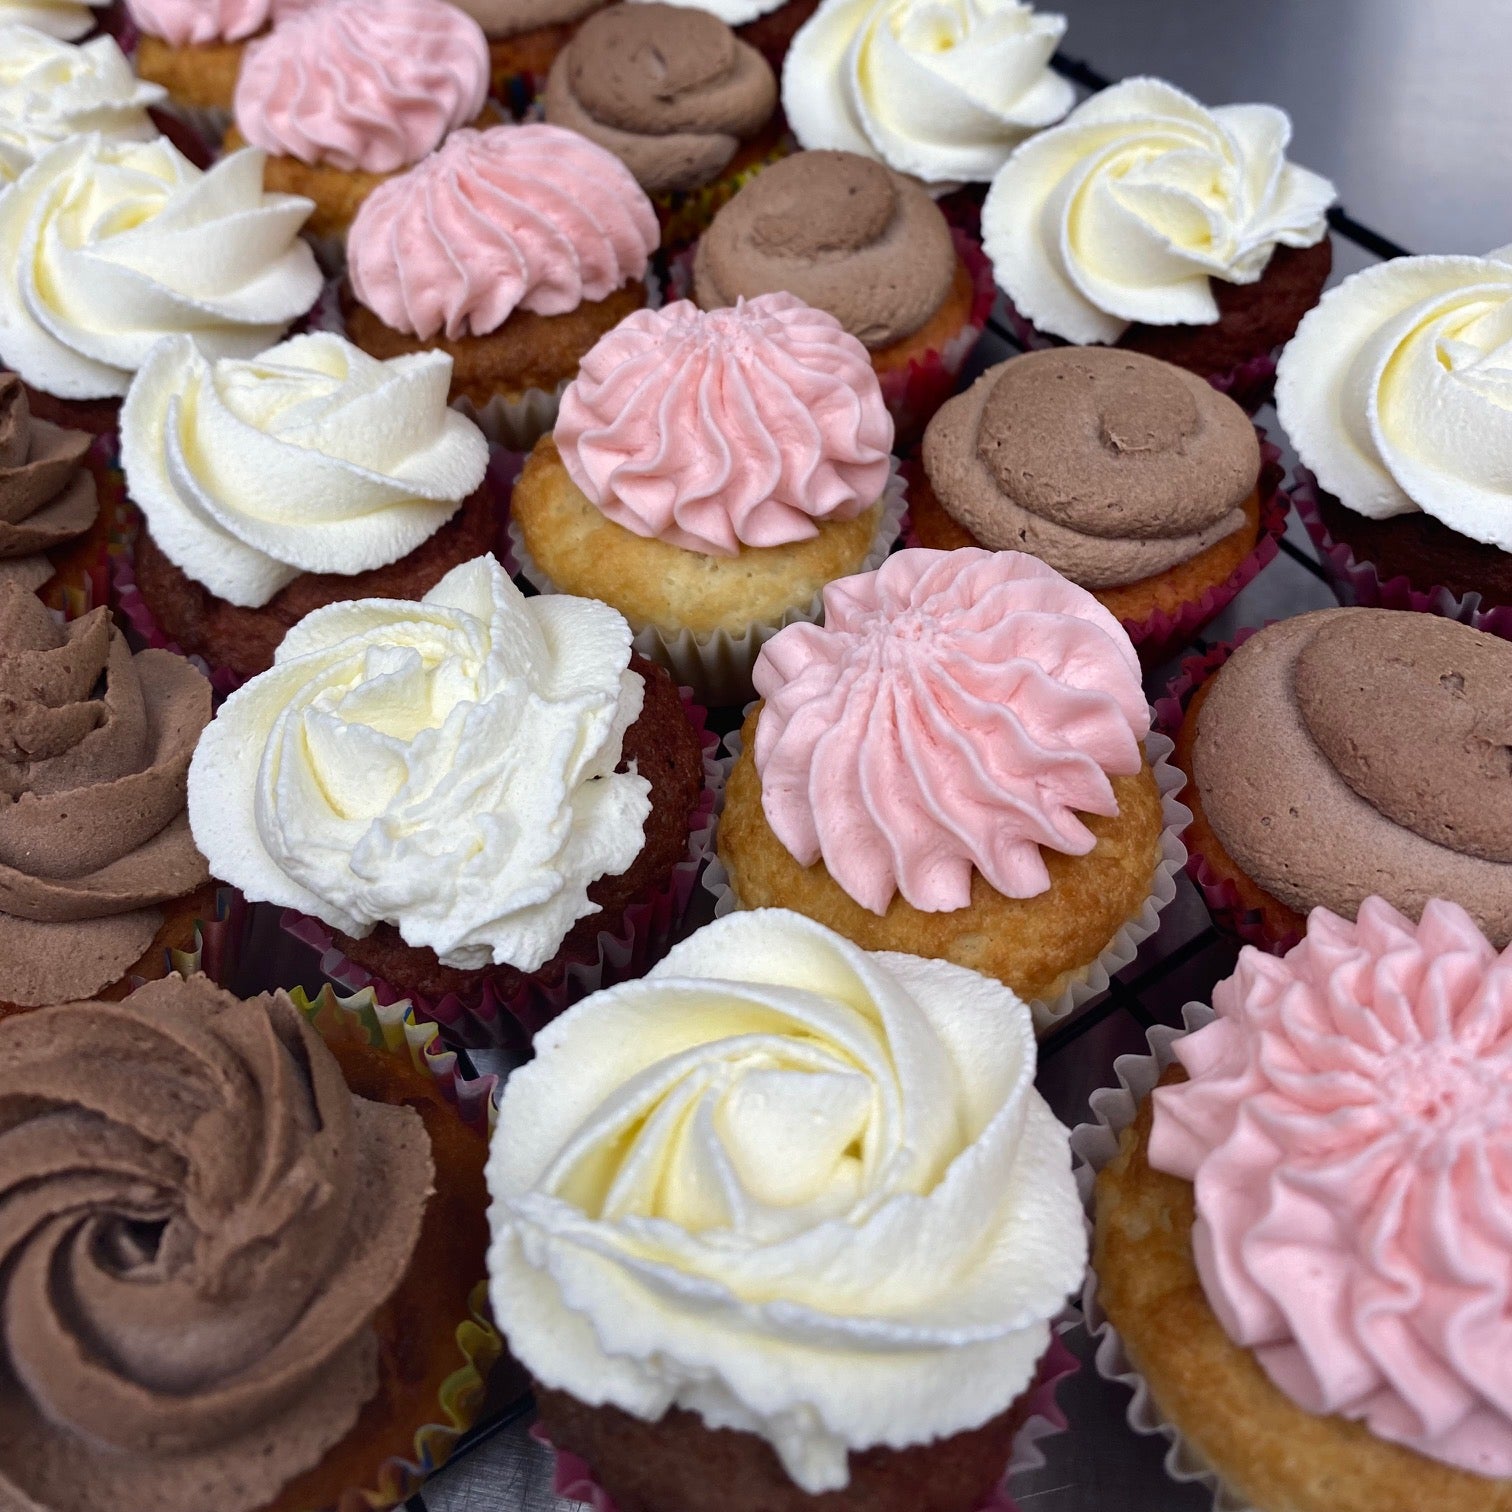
{"type": "Point", "coordinates": [186, 23]}
{"type": "Point", "coordinates": [1348, 1127]}
{"type": "Point", "coordinates": [953, 713]}
{"type": "Point", "coordinates": [517, 217]}
{"type": "Point", "coordinates": [364, 84]}
{"type": "Point", "coordinates": [743, 426]}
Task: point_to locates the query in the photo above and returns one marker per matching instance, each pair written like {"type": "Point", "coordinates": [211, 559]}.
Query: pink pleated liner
{"type": "Point", "coordinates": [1163, 634]}
{"type": "Point", "coordinates": [484, 1018]}
{"type": "Point", "coordinates": [1224, 904]}
{"type": "Point", "coordinates": [1357, 582]}
{"type": "Point", "coordinates": [573, 1477]}
{"type": "Point", "coordinates": [1249, 384]}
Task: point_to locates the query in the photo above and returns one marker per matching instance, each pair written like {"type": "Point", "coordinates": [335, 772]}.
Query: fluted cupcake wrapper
{"type": "Point", "coordinates": [485, 1019]}
{"type": "Point", "coordinates": [1093, 1146]}
{"type": "Point", "coordinates": [717, 664]}
{"type": "Point", "coordinates": [1360, 583]}
{"type": "Point", "coordinates": [81, 576]}
{"type": "Point", "coordinates": [1093, 980]}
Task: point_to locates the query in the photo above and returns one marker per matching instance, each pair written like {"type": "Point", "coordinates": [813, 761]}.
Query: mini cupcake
{"type": "Point", "coordinates": [709, 474]}
{"type": "Point", "coordinates": [99, 876]}
{"type": "Point", "coordinates": [244, 1284]}
{"type": "Point", "coordinates": [1147, 221]}
{"type": "Point", "coordinates": [1389, 393]}
{"type": "Point", "coordinates": [941, 92]}
{"type": "Point", "coordinates": [849, 236]}
{"type": "Point", "coordinates": [513, 251]}
{"type": "Point", "coordinates": [1350, 752]}
{"type": "Point", "coordinates": [953, 765]}
{"type": "Point", "coordinates": [51, 91]}
{"type": "Point", "coordinates": [194, 50]}
{"type": "Point", "coordinates": [115, 245]}
{"type": "Point", "coordinates": [1133, 478]}
{"type": "Point", "coordinates": [67, 20]}
{"type": "Point", "coordinates": [343, 96]}
{"type": "Point", "coordinates": [784, 1225]}
{"type": "Point", "coordinates": [1301, 1215]}
{"type": "Point", "coordinates": [524, 38]}
{"type": "Point", "coordinates": [469, 791]}
{"type": "Point", "coordinates": [677, 97]}
{"type": "Point", "coordinates": [271, 487]}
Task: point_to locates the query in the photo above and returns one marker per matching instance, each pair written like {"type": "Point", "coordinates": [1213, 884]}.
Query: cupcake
{"type": "Point", "coordinates": [273, 486]}
{"type": "Point", "coordinates": [953, 765]}
{"type": "Point", "coordinates": [850, 236]}
{"type": "Point", "coordinates": [1351, 752]}
{"type": "Point", "coordinates": [115, 245]}
{"type": "Point", "coordinates": [343, 96]}
{"type": "Point", "coordinates": [1389, 393]}
{"type": "Point", "coordinates": [467, 791]}
{"type": "Point", "coordinates": [524, 37]}
{"type": "Point", "coordinates": [194, 50]}
{"type": "Point", "coordinates": [241, 1280]}
{"type": "Point", "coordinates": [1133, 478]}
{"type": "Point", "coordinates": [51, 91]}
{"type": "Point", "coordinates": [1147, 221]}
{"type": "Point", "coordinates": [673, 93]}
{"type": "Point", "coordinates": [708, 475]}
{"type": "Point", "coordinates": [513, 251]}
{"type": "Point", "coordinates": [99, 876]}
{"type": "Point", "coordinates": [941, 92]}
{"type": "Point", "coordinates": [784, 1225]}
{"type": "Point", "coordinates": [1301, 1223]}
{"type": "Point", "coordinates": [67, 20]}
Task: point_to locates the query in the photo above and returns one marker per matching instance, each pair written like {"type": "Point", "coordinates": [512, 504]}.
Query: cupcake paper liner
{"type": "Point", "coordinates": [1121, 950]}
{"type": "Point", "coordinates": [1227, 909]}
{"type": "Point", "coordinates": [1093, 1146]}
{"type": "Point", "coordinates": [218, 943]}
{"type": "Point", "coordinates": [573, 1478]}
{"type": "Point", "coordinates": [81, 579]}
{"type": "Point", "coordinates": [1359, 583]}
{"type": "Point", "coordinates": [717, 664]}
{"type": "Point", "coordinates": [485, 1019]}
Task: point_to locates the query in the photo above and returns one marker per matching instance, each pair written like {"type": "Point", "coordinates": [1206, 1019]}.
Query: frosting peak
{"type": "Point", "coordinates": [514, 218]}
{"type": "Point", "coordinates": [191, 23]}
{"type": "Point", "coordinates": [742, 427]}
{"type": "Point", "coordinates": [954, 712]}
{"type": "Point", "coordinates": [1346, 1126]}
{"type": "Point", "coordinates": [370, 85]}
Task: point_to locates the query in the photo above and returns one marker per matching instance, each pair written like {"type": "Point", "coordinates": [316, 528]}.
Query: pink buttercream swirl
{"type": "Point", "coordinates": [744, 426]}
{"type": "Point", "coordinates": [191, 23]}
{"type": "Point", "coordinates": [1348, 1128]}
{"type": "Point", "coordinates": [954, 712]}
{"type": "Point", "coordinates": [365, 84]}
{"type": "Point", "coordinates": [514, 218]}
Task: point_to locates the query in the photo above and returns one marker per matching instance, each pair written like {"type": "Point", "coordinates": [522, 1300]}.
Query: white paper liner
{"type": "Point", "coordinates": [1122, 948]}
{"type": "Point", "coordinates": [717, 664]}
{"type": "Point", "coordinates": [1093, 1146]}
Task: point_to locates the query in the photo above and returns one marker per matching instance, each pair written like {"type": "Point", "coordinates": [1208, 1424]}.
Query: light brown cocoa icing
{"type": "Point", "coordinates": [844, 233]}
{"type": "Point", "coordinates": [47, 497]}
{"type": "Point", "coordinates": [94, 756]}
{"type": "Point", "coordinates": [1380, 689]}
{"type": "Point", "coordinates": [198, 1222]}
{"type": "Point", "coordinates": [672, 92]}
{"type": "Point", "coordinates": [1110, 466]}
{"type": "Point", "coordinates": [508, 18]}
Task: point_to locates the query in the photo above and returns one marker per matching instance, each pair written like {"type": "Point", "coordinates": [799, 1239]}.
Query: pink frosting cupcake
{"type": "Point", "coordinates": [708, 475]}
{"type": "Point", "coordinates": [341, 96]}
{"type": "Point", "coordinates": [194, 49]}
{"type": "Point", "coordinates": [514, 250]}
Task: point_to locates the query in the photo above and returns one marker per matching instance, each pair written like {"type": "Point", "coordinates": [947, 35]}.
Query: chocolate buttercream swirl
{"type": "Point", "coordinates": [1358, 751]}
{"type": "Point", "coordinates": [671, 92]}
{"type": "Point", "coordinates": [94, 758]}
{"type": "Point", "coordinates": [1110, 466]}
{"type": "Point", "coordinates": [47, 497]}
{"type": "Point", "coordinates": [198, 1223]}
{"type": "Point", "coordinates": [843, 233]}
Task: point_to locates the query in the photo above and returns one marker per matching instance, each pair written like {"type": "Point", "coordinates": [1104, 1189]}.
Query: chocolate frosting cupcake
{"type": "Point", "coordinates": [198, 1222]}
{"type": "Point", "coordinates": [1358, 751]}
{"type": "Point", "coordinates": [94, 756]}
{"type": "Point", "coordinates": [671, 92]}
{"type": "Point", "coordinates": [47, 496]}
{"type": "Point", "coordinates": [1109, 466]}
{"type": "Point", "coordinates": [843, 233]}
